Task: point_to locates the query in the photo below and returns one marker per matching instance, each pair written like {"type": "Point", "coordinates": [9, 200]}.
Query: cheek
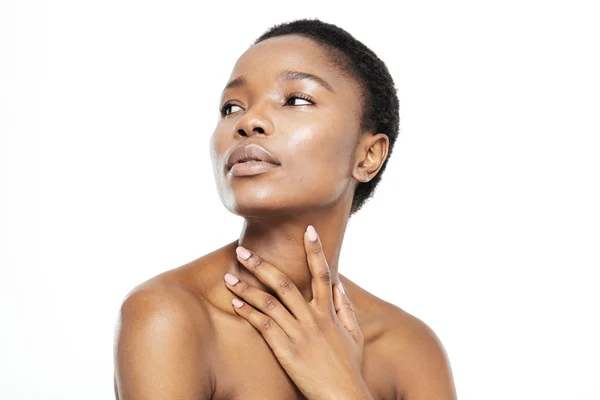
{"type": "Point", "coordinates": [320, 148]}
{"type": "Point", "coordinates": [218, 145]}
{"type": "Point", "coordinates": [319, 164]}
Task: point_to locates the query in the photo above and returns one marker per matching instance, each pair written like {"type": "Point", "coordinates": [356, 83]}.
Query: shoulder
{"type": "Point", "coordinates": [162, 342]}
{"type": "Point", "coordinates": [421, 366]}
{"type": "Point", "coordinates": [163, 303]}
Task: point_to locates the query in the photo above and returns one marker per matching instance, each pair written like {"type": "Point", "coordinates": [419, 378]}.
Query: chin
{"type": "Point", "coordinates": [269, 206]}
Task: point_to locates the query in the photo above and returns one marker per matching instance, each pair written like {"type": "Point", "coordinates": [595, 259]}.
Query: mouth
{"type": "Point", "coordinates": [251, 161]}
{"type": "Point", "coordinates": [251, 167]}
{"type": "Point", "coordinates": [250, 154]}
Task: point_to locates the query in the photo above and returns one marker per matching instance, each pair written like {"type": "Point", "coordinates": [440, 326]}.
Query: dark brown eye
{"type": "Point", "coordinates": [299, 96]}
{"type": "Point", "coordinates": [225, 107]}
{"type": "Point", "coordinates": [292, 97]}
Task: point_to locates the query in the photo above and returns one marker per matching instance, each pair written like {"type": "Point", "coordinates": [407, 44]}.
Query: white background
{"type": "Point", "coordinates": [485, 225]}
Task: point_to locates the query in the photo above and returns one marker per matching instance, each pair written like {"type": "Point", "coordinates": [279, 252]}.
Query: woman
{"type": "Point", "coordinates": [308, 121]}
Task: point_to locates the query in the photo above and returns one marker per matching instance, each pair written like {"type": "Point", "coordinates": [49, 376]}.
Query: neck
{"type": "Point", "coordinates": [281, 243]}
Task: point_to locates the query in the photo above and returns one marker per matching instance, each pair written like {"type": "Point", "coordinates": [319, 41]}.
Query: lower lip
{"type": "Point", "coordinates": [251, 168]}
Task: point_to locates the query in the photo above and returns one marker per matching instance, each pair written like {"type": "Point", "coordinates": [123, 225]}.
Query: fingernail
{"type": "Point", "coordinates": [237, 303]}
{"type": "Point", "coordinates": [312, 234]}
{"type": "Point", "coordinates": [232, 280]}
{"type": "Point", "coordinates": [341, 288]}
{"type": "Point", "coordinates": [243, 253]}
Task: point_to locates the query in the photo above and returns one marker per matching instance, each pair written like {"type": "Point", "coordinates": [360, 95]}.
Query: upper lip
{"type": "Point", "coordinates": [250, 152]}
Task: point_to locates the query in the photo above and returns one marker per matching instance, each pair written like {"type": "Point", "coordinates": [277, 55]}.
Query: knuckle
{"type": "Point", "coordinates": [257, 262]}
{"type": "Point", "coordinates": [317, 248]}
{"type": "Point", "coordinates": [267, 324]}
{"type": "Point", "coordinates": [243, 288]}
{"type": "Point", "coordinates": [317, 323]}
{"type": "Point", "coordinates": [285, 284]}
{"type": "Point", "coordinates": [294, 353]}
{"type": "Point", "coordinates": [270, 302]}
{"type": "Point", "coordinates": [294, 350]}
{"type": "Point", "coordinates": [317, 320]}
{"type": "Point", "coordinates": [325, 275]}
{"type": "Point", "coordinates": [249, 311]}
{"type": "Point", "coordinates": [293, 340]}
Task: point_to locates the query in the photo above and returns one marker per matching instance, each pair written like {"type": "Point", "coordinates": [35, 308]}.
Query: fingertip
{"type": "Point", "coordinates": [312, 233]}
{"type": "Point", "coordinates": [237, 303]}
{"type": "Point", "coordinates": [243, 253]}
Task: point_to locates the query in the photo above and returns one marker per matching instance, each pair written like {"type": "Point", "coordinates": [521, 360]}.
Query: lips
{"type": "Point", "coordinates": [250, 152]}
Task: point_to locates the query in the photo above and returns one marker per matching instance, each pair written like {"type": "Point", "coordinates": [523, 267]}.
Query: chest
{"type": "Point", "coordinates": [246, 368]}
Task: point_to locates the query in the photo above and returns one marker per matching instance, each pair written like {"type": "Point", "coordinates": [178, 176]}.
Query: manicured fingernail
{"type": "Point", "coordinates": [312, 234]}
{"type": "Point", "coordinates": [232, 280]}
{"type": "Point", "coordinates": [341, 288]}
{"type": "Point", "coordinates": [243, 253]}
{"type": "Point", "coordinates": [237, 303]}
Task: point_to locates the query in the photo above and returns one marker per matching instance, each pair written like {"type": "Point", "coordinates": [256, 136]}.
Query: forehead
{"type": "Point", "coordinates": [267, 59]}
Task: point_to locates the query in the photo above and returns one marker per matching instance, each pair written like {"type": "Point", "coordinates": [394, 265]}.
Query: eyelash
{"type": "Point", "coordinates": [287, 98]}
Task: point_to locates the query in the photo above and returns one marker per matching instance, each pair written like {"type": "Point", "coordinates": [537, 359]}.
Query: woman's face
{"type": "Point", "coordinates": [313, 140]}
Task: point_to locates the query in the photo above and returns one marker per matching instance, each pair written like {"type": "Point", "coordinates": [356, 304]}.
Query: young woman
{"type": "Point", "coordinates": [308, 121]}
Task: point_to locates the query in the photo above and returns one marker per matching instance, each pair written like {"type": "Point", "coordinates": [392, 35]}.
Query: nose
{"type": "Point", "coordinates": [252, 123]}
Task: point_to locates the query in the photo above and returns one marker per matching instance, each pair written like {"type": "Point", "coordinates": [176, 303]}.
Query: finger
{"type": "Point", "coordinates": [346, 315]}
{"type": "Point", "coordinates": [319, 269]}
{"type": "Point", "coordinates": [266, 303]}
{"type": "Point", "coordinates": [281, 284]}
{"type": "Point", "coordinates": [276, 338]}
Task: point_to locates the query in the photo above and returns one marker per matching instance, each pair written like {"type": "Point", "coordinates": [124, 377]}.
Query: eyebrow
{"type": "Point", "coordinates": [286, 75]}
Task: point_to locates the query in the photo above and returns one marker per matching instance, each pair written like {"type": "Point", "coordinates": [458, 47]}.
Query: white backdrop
{"type": "Point", "coordinates": [486, 223]}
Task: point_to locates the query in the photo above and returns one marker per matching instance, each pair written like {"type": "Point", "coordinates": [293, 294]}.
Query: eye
{"type": "Point", "coordinates": [293, 96]}
{"type": "Point", "coordinates": [226, 107]}
{"type": "Point", "coordinates": [300, 96]}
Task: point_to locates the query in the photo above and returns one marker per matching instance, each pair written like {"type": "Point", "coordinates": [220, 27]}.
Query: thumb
{"type": "Point", "coordinates": [345, 313]}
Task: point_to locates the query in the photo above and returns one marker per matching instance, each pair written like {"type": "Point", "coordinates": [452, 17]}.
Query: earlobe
{"type": "Point", "coordinates": [372, 157]}
{"type": "Point", "coordinates": [366, 176]}
{"type": "Point", "coordinates": [365, 171]}
{"type": "Point", "coordinates": [360, 173]}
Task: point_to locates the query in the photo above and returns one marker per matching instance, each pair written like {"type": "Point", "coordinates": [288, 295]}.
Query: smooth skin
{"type": "Point", "coordinates": [304, 335]}
{"type": "Point", "coordinates": [179, 336]}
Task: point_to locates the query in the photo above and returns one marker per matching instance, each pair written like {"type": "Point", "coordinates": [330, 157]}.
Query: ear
{"type": "Point", "coordinates": [371, 153]}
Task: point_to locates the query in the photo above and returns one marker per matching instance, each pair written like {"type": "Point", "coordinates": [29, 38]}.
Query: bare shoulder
{"type": "Point", "coordinates": [160, 300]}
{"type": "Point", "coordinates": [161, 346]}
{"type": "Point", "coordinates": [422, 368]}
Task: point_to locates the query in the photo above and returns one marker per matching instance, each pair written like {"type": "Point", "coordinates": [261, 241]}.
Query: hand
{"type": "Point", "coordinates": [319, 344]}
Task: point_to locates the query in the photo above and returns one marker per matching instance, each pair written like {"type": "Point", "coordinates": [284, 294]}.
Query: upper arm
{"type": "Point", "coordinates": [422, 368]}
{"type": "Point", "coordinates": [159, 349]}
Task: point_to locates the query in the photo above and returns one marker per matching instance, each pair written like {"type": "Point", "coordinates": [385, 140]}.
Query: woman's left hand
{"type": "Point", "coordinates": [319, 344]}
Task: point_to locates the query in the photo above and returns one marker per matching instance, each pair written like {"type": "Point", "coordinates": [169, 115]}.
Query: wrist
{"type": "Point", "coordinates": [359, 391]}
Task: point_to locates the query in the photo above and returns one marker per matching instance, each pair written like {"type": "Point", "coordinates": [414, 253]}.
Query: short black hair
{"type": "Point", "coordinates": [380, 111]}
